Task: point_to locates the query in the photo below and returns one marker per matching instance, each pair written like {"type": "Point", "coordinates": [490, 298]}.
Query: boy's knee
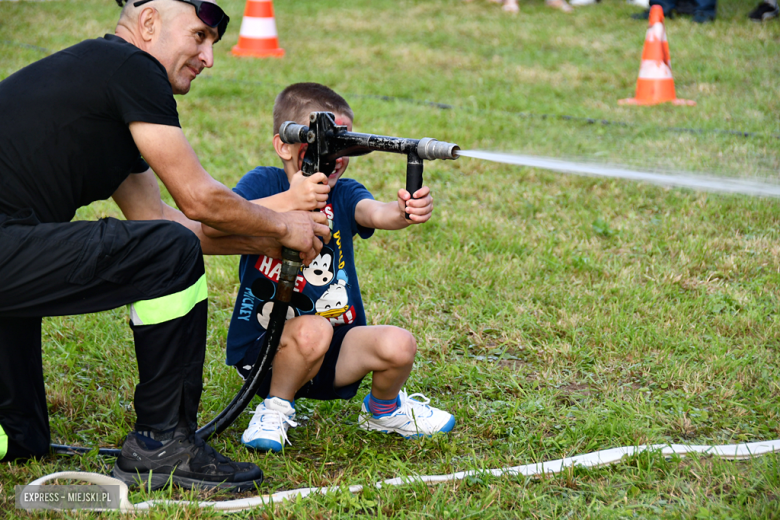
{"type": "Point", "coordinates": [398, 347]}
{"type": "Point", "coordinates": [313, 336]}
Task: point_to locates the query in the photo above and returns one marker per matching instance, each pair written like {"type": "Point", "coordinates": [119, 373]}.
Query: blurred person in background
{"type": "Point", "coordinates": [511, 6]}
{"type": "Point", "coordinates": [703, 11]}
{"type": "Point", "coordinates": [766, 10]}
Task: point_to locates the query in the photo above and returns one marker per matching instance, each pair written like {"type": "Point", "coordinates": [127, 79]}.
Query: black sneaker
{"type": "Point", "coordinates": [764, 12]}
{"type": "Point", "coordinates": [645, 15]}
{"type": "Point", "coordinates": [186, 460]}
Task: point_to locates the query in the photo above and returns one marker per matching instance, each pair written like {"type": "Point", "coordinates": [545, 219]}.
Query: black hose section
{"type": "Point", "coordinates": [291, 265]}
{"type": "Point", "coordinates": [64, 449]}
{"type": "Point", "coordinates": [255, 378]}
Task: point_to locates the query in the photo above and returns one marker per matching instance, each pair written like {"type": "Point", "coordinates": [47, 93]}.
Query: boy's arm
{"type": "Point", "coordinates": [391, 215]}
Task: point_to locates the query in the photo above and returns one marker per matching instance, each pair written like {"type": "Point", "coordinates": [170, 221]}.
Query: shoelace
{"type": "Point", "coordinates": [272, 418]}
{"type": "Point", "coordinates": [413, 408]}
{"type": "Point", "coordinates": [208, 450]}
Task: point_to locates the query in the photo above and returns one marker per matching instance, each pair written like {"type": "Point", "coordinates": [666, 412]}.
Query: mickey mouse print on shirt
{"type": "Point", "coordinates": [328, 287]}
{"type": "Point", "coordinates": [317, 283]}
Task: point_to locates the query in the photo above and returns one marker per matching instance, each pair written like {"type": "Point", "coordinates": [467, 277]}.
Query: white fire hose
{"type": "Point", "coordinates": [590, 460]}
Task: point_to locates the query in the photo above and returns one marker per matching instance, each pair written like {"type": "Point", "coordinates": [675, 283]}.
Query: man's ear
{"type": "Point", "coordinates": [148, 23]}
{"type": "Point", "coordinates": [283, 150]}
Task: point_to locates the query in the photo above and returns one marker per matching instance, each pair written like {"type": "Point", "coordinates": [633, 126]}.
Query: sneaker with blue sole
{"type": "Point", "coordinates": [267, 431]}
{"type": "Point", "coordinates": [412, 418]}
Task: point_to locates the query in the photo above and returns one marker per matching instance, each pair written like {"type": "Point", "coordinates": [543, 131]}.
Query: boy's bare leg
{"type": "Point", "coordinates": [385, 350]}
{"type": "Point", "coordinates": [302, 348]}
{"type": "Point", "coordinates": [389, 353]}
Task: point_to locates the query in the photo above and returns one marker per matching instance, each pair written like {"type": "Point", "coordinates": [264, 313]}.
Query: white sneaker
{"type": "Point", "coordinates": [412, 418]}
{"type": "Point", "coordinates": [267, 431]}
{"type": "Point", "coordinates": [580, 3]}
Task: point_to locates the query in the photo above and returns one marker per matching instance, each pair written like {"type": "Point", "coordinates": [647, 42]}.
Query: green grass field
{"type": "Point", "coordinates": [555, 315]}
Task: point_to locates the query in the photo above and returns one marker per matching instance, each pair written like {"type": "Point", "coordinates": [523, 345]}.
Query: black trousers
{"type": "Point", "coordinates": [56, 269]}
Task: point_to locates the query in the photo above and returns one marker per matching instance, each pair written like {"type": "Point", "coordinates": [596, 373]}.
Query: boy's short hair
{"type": "Point", "coordinates": [297, 101]}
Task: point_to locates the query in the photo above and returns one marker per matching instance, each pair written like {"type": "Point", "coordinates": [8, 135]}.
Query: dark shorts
{"type": "Point", "coordinates": [321, 387]}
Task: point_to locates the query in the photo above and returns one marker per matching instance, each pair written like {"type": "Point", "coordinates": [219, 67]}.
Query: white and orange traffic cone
{"type": "Point", "coordinates": [257, 36]}
{"type": "Point", "coordinates": [655, 83]}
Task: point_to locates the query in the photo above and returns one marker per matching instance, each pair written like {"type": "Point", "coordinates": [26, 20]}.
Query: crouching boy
{"type": "Point", "coordinates": [326, 348]}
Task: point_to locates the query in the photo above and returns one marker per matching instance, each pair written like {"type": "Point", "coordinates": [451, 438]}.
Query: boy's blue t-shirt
{"type": "Point", "coordinates": [328, 287]}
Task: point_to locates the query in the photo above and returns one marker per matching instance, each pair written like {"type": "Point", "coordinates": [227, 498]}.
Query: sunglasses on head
{"type": "Point", "coordinates": [209, 13]}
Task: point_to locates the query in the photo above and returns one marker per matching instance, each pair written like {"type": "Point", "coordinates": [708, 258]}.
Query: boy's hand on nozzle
{"type": "Point", "coordinates": [309, 193]}
{"type": "Point", "coordinates": [419, 208]}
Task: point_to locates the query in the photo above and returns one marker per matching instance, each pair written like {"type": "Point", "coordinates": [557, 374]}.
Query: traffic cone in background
{"type": "Point", "coordinates": [257, 36]}
{"type": "Point", "coordinates": [655, 84]}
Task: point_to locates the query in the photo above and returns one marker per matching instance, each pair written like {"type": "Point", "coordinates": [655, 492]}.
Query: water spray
{"type": "Point", "coordinates": [679, 179]}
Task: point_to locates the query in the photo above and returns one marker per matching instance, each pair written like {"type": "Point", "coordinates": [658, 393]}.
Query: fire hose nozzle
{"type": "Point", "coordinates": [292, 133]}
{"type": "Point", "coordinates": [430, 149]}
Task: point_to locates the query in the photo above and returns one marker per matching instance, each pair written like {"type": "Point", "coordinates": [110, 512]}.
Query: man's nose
{"type": "Point", "coordinates": [207, 55]}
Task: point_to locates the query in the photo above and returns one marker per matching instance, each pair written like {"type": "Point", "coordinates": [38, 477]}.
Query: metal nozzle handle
{"type": "Point", "coordinates": [430, 149]}
{"type": "Point", "coordinates": [292, 133]}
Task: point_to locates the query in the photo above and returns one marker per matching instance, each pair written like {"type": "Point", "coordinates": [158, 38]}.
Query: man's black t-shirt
{"type": "Point", "coordinates": [64, 135]}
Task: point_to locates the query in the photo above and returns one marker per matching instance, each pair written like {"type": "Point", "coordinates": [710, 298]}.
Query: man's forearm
{"type": "Point", "coordinates": [198, 195]}
{"type": "Point", "coordinates": [225, 211]}
{"type": "Point", "coordinates": [241, 245]}
{"type": "Point", "coordinates": [226, 245]}
{"type": "Point", "coordinates": [203, 199]}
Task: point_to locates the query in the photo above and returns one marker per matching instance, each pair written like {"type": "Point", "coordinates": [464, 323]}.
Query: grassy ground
{"type": "Point", "coordinates": [555, 315]}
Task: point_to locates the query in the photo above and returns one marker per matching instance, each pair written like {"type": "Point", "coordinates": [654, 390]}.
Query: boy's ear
{"type": "Point", "coordinates": [283, 150]}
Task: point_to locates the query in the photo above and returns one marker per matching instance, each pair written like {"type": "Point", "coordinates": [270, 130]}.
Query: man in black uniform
{"type": "Point", "coordinates": [74, 128]}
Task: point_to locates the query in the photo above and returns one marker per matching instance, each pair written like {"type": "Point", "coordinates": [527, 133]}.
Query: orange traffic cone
{"type": "Point", "coordinates": [655, 84]}
{"type": "Point", "coordinates": [257, 36]}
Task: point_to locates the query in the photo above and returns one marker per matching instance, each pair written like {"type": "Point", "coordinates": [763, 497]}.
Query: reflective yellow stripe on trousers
{"type": "Point", "coordinates": [3, 442]}
{"type": "Point", "coordinates": [169, 307]}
